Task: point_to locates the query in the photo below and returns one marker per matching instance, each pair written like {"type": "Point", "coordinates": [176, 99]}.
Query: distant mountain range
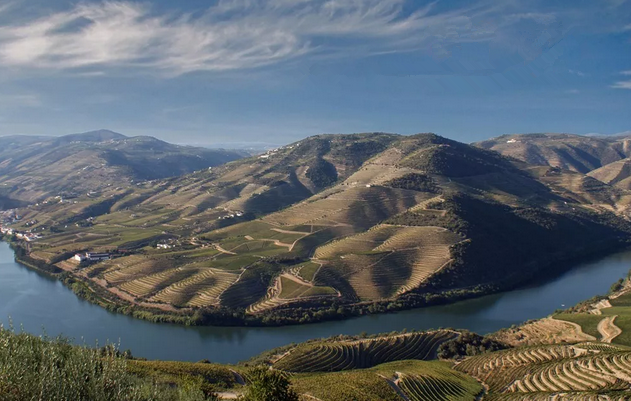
{"type": "Point", "coordinates": [33, 168]}
{"type": "Point", "coordinates": [606, 158]}
{"type": "Point", "coordinates": [371, 221]}
{"type": "Point", "coordinates": [569, 152]}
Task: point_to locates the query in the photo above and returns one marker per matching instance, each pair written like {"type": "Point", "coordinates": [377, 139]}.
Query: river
{"type": "Point", "coordinates": [39, 304]}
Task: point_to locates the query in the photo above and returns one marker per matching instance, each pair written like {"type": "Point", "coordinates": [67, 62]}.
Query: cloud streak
{"type": "Point", "coordinates": [240, 34]}
{"type": "Point", "coordinates": [623, 84]}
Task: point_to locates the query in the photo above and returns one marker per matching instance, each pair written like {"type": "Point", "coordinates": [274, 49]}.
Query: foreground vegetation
{"type": "Point", "coordinates": [34, 368]}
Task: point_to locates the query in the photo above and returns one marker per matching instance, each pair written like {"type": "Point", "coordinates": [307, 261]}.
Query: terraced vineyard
{"type": "Point", "coordinates": [394, 381]}
{"type": "Point", "coordinates": [149, 284]}
{"type": "Point", "coordinates": [200, 289]}
{"type": "Point", "coordinates": [362, 207]}
{"type": "Point", "coordinates": [364, 242]}
{"type": "Point", "coordinates": [432, 388]}
{"type": "Point", "coordinates": [210, 293]}
{"type": "Point", "coordinates": [553, 369]}
{"type": "Point", "coordinates": [597, 373]}
{"type": "Point", "coordinates": [360, 354]}
{"type": "Point", "coordinates": [290, 288]}
{"type": "Point", "coordinates": [126, 273]}
{"type": "Point", "coordinates": [389, 260]}
{"type": "Point", "coordinates": [566, 396]}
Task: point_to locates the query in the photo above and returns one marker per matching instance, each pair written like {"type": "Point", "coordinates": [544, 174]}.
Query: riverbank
{"type": "Point", "coordinates": [34, 301]}
{"type": "Point", "coordinates": [302, 313]}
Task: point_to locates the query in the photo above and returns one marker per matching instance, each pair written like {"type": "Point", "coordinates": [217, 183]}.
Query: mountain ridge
{"type": "Point", "coordinates": [568, 151]}
{"type": "Point", "coordinates": [34, 168]}
{"type": "Point", "coordinates": [372, 222]}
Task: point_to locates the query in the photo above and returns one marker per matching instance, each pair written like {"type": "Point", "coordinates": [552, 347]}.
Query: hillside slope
{"type": "Point", "coordinates": [34, 168]}
{"type": "Point", "coordinates": [369, 222]}
{"type": "Point", "coordinates": [570, 152]}
{"type": "Point", "coordinates": [617, 173]}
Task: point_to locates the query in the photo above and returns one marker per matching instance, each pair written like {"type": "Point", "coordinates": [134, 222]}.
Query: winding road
{"type": "Point", "coordinates": [608, 330]}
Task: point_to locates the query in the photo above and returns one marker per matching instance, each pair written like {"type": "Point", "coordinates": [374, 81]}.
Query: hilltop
{"type": "Point", "coordinates": [327, 227]}
{"type": "Point", "coordinates": [35, 168]}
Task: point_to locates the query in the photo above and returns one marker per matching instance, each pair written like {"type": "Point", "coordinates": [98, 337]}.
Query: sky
{"type": "Point", "coordinates": [275, 71]}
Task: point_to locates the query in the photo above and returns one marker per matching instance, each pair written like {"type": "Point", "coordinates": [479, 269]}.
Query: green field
{"type": "Point", "coordinates": [587, 322]}
{"type": "Point", "coordinates": [621, 308]}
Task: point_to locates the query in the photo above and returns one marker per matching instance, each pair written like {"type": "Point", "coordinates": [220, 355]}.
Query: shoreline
{"type": "Point", "coordinates": [288, 316]}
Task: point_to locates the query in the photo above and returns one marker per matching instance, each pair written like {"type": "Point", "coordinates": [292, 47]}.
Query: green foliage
{"type": "Point", "coordinates": [354, 150]}
{"type": "Point", "coordinates": [210, 377]}
{"type": "Point", "coordinates": [322, 173]}
{"type": "Point", "coordinates": [34, 368]}
{"type": "Point", "coordinates": [617, 286]}
{"type": "Point", "coordinates": [468, 344]}
{"type": "Point", "coordinates": [415, 182]}
{"type": "Point", "coordinates": [268, 385]}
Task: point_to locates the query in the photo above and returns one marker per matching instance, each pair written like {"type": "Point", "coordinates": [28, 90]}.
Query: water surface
{"type": "Point", "coordinates": [38, 303]}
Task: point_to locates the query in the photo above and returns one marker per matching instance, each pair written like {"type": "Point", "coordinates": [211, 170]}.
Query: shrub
{"type": "Point", "coordinates": [468, 344]}
{"type": "Point", "coordinates": [39, 368]}
{"type": "Point", "coordinates": [268, 385]}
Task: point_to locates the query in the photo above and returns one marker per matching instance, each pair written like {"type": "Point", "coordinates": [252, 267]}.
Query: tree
{"type": "Point", "coordinates": [268, 385]}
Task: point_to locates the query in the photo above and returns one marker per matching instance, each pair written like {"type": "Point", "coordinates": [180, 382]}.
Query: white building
{"type": "Point", "coordinates": [92, 257]}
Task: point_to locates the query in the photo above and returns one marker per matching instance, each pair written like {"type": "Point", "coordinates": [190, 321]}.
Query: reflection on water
{"type": "Point", "coordinates": [38, 302]}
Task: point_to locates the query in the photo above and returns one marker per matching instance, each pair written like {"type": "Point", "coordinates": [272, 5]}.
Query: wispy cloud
{"type": "Point", "coordinates": [623, 84]}
{"type": "Point", "coordinates": [577, 73]}
{"type": "Point", "coordinates": [28, 100]}
{"type": "Point", "coordinates": [238, 34]}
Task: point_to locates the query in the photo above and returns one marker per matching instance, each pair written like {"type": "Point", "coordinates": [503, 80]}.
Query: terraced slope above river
{"type": "Point", "coordinates": [334, 225]}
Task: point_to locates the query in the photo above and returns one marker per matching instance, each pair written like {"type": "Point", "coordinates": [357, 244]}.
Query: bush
{"type": "Point", "coordinates": [37, 368]}
{"type": "Point", "coordinates": [469, 344]}
{"type": "Point", "coordinates": [415, 182]}
{"type": "Point", "coordinates": [268, 385]}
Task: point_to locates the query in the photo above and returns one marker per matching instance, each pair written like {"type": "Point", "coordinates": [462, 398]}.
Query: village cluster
{"type": "Point", "coordinates": [11, 216]}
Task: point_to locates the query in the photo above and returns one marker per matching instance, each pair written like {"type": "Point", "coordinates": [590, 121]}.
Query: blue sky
{"type": "Point", "coordinates": [204, 72]}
